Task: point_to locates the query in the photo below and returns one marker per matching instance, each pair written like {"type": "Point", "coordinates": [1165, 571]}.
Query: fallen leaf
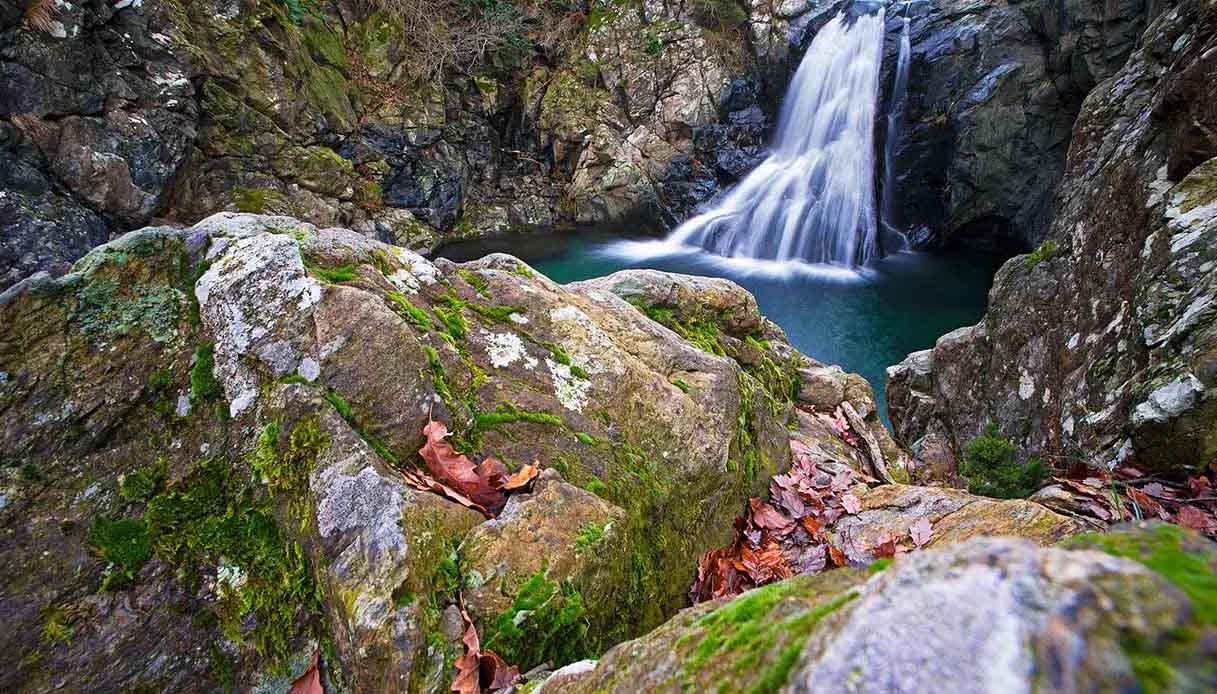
{"type": "Point", "coordinates": [425, 483]}
{"type": "Point", "coordinates": [884, 547]}
{"type": "Point", "coordinates": [522, 478]}
{"type": "Point", "coordinates": [921, 532]}
{"type": "Point", "coordinates": [1148, 506]}
{"type": "Point", "coordinates": [456, 471]}
{"type": "Point", "coordinates": [837, 556]}
{"type": "Point", "coordinates": [851, 503]}
{"type": "Point", "coordinates": [479, 671]}
{"type": "Point", "coordinates": [1196, 519]}
{"type": "Point", "coordinates": [767, 517]}
{"type": "Point", "coordinates": [310, 681]}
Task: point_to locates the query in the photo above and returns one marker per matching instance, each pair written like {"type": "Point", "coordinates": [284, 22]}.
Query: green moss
{"type": "Point", "coordinates": [106, 311]}
{"type": "Point", "coordinates": [413, 314]}
{"type": "Point", "coordinates": [1163, 550]}
{"type": "Point", "coordinates": [288, 472]}
{"type": "Point", "coordinates": [335, 275]}
{"type": "Point", "coordinates": [479, 285]}
{"type": "Point", "coordinates": [143, 483]}
{"type": "Point", "coordinates": [585, 438]}
{"type": "Point", "coordinates": [57, 625]}
{"type": "Point", "coordinates": [745, 635]}
{"type": "Point", "coordinates": [215, 517]}
{"type": "Point", "coordinates": [545, 623]}
{"type": "Point", "coordinates": [160, 380]}
{"type": "Point", "coordinates": [452, 320]}
{"type": "Point", "coordinates": [1045, 251]}
{"type": "Point", "coordinates": [499, 314]}
{"type": "Point", "coordinates": [204, 387]}
{"type": "Point", "coordinates": [684, 387]}
{"type": "Point", "coordinates": [590, 534]}
{"type": "Point", "coordinates": [126, 544]}
{"type": "Point", "coordinates": [259, 200]}
{"type": "Point", "coordinates": [508, 413]}
{"type": "Point", "coordinates": [879, 565]}
{"type": "Point", "coordinates": [991, 467]}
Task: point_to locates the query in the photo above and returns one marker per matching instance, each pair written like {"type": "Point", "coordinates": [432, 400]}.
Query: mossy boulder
{"type": "Point", "coordinates": [984, 615]}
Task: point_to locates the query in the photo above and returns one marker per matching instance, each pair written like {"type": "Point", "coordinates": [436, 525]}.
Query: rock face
{"type": "Point", "coordinates": [994, 92]}
{"type": "Point", "coordinates": [273, 379]}
{"type": "Point", "coordinates": [1099, 345]}
{"type": "Point", "coordinates": [993, 615]}
{"type": "Point", "coordinates": [178, 111]}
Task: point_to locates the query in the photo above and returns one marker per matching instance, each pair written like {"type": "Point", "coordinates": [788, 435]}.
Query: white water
{"type": "Point", "coordinates": [813, 198]}
{"type": "Point", "coordinates": [895, 121]}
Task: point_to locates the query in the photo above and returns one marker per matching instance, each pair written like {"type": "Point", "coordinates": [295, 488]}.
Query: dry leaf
{"type": "Point", "coordinates": [521, 479]}
{"type": "Point", "coordinates": [456, 471]}
{"type": "Point", "coordinates": [850, 503]}
{"type": "Point", "coordinates": [920, 532]}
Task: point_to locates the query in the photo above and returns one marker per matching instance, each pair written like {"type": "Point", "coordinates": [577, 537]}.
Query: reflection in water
{"type": "Point", "coordinates": [864, 320]}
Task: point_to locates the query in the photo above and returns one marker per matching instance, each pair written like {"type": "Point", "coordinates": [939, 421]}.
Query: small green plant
{"type": "Point", "coordinates": [546, 623]}
{"type": "Point", "coordinates": [990, 465]}
{"type": "Point", "coordinates": [142, 484]}
{"type": "Point", "coordinates": [126, 544]}
{"type": "Point", "coordinates": [1045, 251]}
{"type": "Point", "coordinates": [57, 625]}
{"type": "Point", "coordinates": [332, 275]}
{"type": "Point", "coordinates": [590, 534]}
{"type": "Point", "coordinates": [203, 384]}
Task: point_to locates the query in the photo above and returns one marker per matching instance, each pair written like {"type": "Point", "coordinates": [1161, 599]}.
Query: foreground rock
{"type": "Point", "coordinates": [994, 615]}
{"type": "Point", "coordinates": [211, 421]}
{"type": "Point", "coordinates": [1098, 347]}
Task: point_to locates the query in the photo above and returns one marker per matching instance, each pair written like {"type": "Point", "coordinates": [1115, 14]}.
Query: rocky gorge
{"type": "Point", "coordinates": [258, 436]}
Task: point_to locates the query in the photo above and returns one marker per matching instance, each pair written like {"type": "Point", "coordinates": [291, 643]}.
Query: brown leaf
{"type": "Point", "coordinates": [920, 532]}
{"type": "Point", "coordinates": [767, 517]}
{"type": "Point", "coordinates": [522, 478]}
{"type": "Point", "coordinates": [884, 547]}
{"type": "Point", "coordinates": [455, 470]}
{"type": "Point", "coordinates": [310, 681]}
{"type": "Point", "coordinates": [1148, 506]}
{"type": "Point", "coordinates": [837, 556]}
{"type": "Point", "coordinates": [424, 482]}
{"type": "Point", "coordinates": [1196, 519]}
{"type": "Point", "coordinates": [468, 678]}
{"type": "Point", "coordinates": [496, 674]}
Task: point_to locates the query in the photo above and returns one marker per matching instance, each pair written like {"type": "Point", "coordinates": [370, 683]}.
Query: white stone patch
{"type": "Point", "coordinates": [570, 390]}
{"type": "Point", "coordinates": [256, 300]}
{"type": "Point", "coordinates": [404, 281]}
{"type": "Point", "coordinates": [1169, 401]}
{"type": "Point", "coordinates": [1026, 385]}
{"type": "Point", "coordinates": [309, 368]}
{"type": "Point", "coordinates": [505, 349]}
{"type": "Point", "coordinates": [1073, 341]}
{"type": "Point", "coordinates": [1067, 425]}
{"type": "Point", "coordinates": [333, 346]}
{"type": "Point", "coordinates": [518, 318]}
{"type": "Point", "coordinates": [183, 405]}
{"type": "Point", "coordinates": [230, 578]}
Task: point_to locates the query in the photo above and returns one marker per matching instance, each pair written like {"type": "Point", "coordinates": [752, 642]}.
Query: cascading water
{"type": "Point", "coordinates": [813, 198]}
{"type": "Point", "coordinates": [895, 121]}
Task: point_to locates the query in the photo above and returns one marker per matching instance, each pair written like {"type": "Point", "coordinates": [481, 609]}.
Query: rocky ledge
{"type": "Point", "coordinates": [227, 422]}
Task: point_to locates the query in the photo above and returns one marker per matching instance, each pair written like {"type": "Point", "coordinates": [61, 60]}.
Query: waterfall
{"type": "Point", "coordinates": [813, 198]}
{"type": "Point", "coordinates": [895, 121]}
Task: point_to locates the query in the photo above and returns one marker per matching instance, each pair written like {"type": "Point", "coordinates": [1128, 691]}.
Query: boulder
{"type": "Point", "coordinates": [987, 614]}
{"type": "Point", "coordinates": [273, 385]}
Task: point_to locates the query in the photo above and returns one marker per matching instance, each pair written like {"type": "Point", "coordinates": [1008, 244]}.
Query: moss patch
{"type": "Point", "coordinates": [545, 623]}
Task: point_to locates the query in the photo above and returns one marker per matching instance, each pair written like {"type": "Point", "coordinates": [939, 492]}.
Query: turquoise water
{"type": "Point", "coordinates": [864, 322]}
